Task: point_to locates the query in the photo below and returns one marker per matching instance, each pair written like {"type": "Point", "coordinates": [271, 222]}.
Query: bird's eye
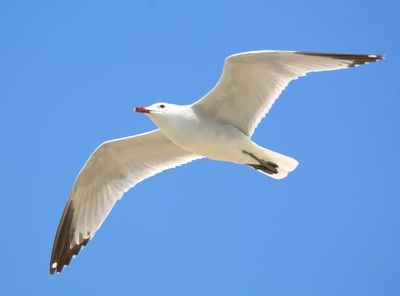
{"type": "Point", "coordinates": [162, 106]}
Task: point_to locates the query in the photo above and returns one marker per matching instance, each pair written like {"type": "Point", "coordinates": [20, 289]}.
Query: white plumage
{"type": "Point", "coordinates": [218, 126]}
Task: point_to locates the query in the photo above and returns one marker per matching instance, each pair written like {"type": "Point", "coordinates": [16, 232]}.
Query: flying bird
{"type": "Point", "coordinates": [219, 126]}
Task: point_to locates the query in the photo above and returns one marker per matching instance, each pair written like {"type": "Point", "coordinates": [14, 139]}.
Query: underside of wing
{"type": "Point", "coordinates": [111, 170]}
{"type": "Point", "coordinates": [252, 81]}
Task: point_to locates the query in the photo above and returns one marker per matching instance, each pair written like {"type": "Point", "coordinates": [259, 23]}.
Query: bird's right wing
{"type": "Point", "coordinates": [252, 81]}
{"type": "Point", "coordinates": [111, 170]}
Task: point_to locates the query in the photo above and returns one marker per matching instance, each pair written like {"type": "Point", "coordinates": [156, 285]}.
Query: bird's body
{"type": "Point", "coordinates": [193, 131]}
{"type": "Point", "coordinates": [219, 126]}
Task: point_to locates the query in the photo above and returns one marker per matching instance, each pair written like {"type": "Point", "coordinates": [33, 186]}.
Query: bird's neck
{"type": "Point", "coordinates": [178, 124]}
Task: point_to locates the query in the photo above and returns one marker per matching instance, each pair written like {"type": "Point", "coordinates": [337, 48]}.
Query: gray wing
{"type": "Point", "coordinates": [252, 81]}
{"type": "Point", "coordinates": [113, 168]}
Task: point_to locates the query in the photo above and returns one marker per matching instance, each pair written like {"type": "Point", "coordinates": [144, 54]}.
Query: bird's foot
{"type": "Point", "coordinates": [265, 166]}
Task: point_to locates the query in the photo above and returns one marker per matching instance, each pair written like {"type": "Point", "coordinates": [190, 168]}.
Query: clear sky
{"type": "Point", "coordinates": [70, 74]}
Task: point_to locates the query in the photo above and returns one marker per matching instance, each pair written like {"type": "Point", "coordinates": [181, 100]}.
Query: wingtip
{"type": "Point", "coordinates": [366, 59]}
{"type": "Point", "coordinates": [56, 268]}
{"type": "Point", "coordinates": [63, 251]}
{"type": "Point", "coordinates": [53, 267]}
{"type": "Point", "coordinates": [354, 59]}
{"type": "Point", "coordinates": [378, 57]}
{"type": "Point", "coordinates": [67, 256]}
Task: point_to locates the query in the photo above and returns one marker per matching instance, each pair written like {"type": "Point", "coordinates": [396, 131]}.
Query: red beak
{"type": "Point", "coordinates": [141, 110]}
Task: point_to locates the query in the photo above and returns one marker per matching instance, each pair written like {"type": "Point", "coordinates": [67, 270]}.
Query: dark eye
{"type": "Point", "coordinates": [162, 106]}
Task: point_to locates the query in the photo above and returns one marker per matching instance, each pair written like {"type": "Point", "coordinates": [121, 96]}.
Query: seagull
{"type": "Point", "coordinates": [219, 126]}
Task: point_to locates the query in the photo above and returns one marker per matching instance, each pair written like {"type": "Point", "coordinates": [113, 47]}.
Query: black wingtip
{"type": "Point", "coordinates": [62, 251]}
{"type": "Point", "coordinates": [354, 59]}
{"type": "Point", "coordinates": [66, 257]}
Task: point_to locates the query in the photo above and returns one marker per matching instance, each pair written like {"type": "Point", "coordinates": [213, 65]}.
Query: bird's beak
{"type": "Point", "coordinates": [141, 110]}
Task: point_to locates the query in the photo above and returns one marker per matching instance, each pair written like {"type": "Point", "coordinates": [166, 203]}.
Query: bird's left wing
{"type": "Point", "coordinates": [252, 81]}
{"type": "Point", "coordinates": [111, 170]}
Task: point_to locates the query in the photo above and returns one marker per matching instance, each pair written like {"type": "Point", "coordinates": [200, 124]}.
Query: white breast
{"type": "Point", "coordinates": [200, 135]}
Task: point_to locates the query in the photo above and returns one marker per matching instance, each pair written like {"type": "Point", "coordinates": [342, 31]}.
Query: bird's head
{"type": "Point", "coordinates": [155, 109]}
{"type": "Point", "coordinates": [162, 113]}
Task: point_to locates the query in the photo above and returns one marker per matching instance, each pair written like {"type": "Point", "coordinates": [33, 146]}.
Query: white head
{"type": "Point", "coordinates": [163, 113]}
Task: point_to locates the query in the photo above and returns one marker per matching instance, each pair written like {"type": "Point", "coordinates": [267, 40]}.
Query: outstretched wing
{"type": "Point", "coordinates": [113, 168]}
{"type": "Point", "coordinates": [252, 81]}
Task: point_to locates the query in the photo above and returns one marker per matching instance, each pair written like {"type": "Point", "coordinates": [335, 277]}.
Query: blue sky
{"type": "Point", "coordinates": [70, 73]}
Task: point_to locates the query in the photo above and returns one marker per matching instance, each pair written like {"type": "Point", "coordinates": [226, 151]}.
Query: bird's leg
{"type": "Point", "coordinates": [265, 166]}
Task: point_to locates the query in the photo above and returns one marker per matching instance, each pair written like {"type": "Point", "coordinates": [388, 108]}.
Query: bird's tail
{"type": "Point", "coordinates": [271, 163]}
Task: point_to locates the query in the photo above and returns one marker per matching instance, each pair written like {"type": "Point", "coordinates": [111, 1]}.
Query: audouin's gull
{"type": "Point", "coordinates": [218, 126]}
